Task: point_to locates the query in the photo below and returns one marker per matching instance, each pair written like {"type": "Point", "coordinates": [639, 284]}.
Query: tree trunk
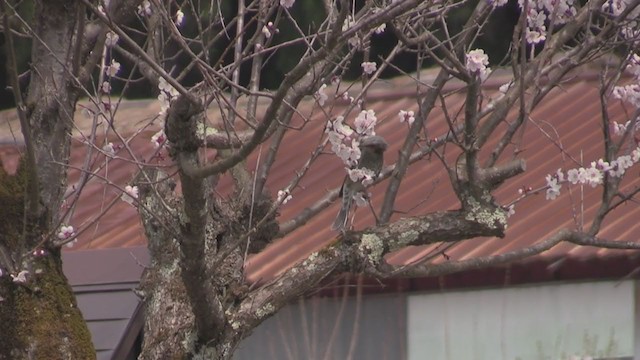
{"type": "Point", "coordinates": [39, 316]}
{"type": "Point", "coordinates": [40, 319]}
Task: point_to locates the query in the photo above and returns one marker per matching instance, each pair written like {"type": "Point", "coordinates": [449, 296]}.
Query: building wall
{"type": "Point", "coordinates": [332, 328]}
{"type": "Point", "coordinates": [558, 321]}
{"type": "Point", "coordinates": [533, 322]}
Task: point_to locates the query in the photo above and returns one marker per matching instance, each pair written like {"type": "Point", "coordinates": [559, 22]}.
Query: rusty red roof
{"type": "Point", "coordinates": [568, 118]}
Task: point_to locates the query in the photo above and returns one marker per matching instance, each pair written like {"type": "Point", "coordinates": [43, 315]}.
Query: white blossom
{"type": "Point", "coordinates": [573, 176]}
{"type": "Point", "coordinates": [477, 62]}
{"type": "Point", "coordinates": [179, 18]}
{"type": "Point", "coordinates": [111, 39]}
{"type": "Point", "coordinates": [635, 155]}
{"type": "Point", "coordinates": [338, 127]}
{"type": "Point", "coordinates": [321, 96]}
{"type": "Point", "coordinates": [144, 9]}
{"type": "Point", "coordinates": [593, 176]}
{"type": "Point", "coordinates": [619, 129]}
{"type": "Point", "coordinates": [628, 93]}
{"type": "Point", "coordinates": [65, 232]}
{"type": "Point", "coordinates": [363, 175]}
{"type": "Point", "coordinates": [407, 116]}
{"type": "Point", "coordinates": [130, 193]}
{"type": "Point", "coordinates": [535, 36]}
{"type": "Point", "coordinates": [21, 278]}
{"type": "Point", "coordinates": [284, 196]}
{"type": "Point", "coordinates": [365, 122]}
{"type": "Point", "coordinates": [505, 87]}
{"type": "Point", "coordinates": [553, 187]}
{"type": "Point", "coordinates": [109, 149]}
{"type": "Point", "coordinates": [167, 93]}
{"type": "Point", "coordinates": [369, 67]}
{"type": "Point", "coordinates": [287, 3]}
{"type": "Point", "coordinates": [266, 32]}
{"type": "Point", "coordinates": [625, 161]}
{"type": "Point", "coordinates": [106, 87]}
{"type": "Point", "coordinates": [113, 68]}
{"type": "Point", "coordinates": [158, 139]}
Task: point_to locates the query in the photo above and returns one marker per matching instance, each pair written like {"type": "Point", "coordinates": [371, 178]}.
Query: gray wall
{"type": "Point", "coordinates": [324, 328]}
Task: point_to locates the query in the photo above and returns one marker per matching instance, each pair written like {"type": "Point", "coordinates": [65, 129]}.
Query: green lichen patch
{"type": "Point", "coordinates": [12, 198]}
{"type": "Point", "coordinates": [491, 217]}
{"type": "Point", "coordinates": [372, 246]}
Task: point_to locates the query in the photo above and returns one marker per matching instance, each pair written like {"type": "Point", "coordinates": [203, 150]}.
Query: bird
{"type": "Point", "coordinates": [372, 150]}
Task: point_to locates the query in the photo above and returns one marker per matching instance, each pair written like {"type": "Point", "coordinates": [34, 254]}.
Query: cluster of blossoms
{"type": "Point", "coordinates": [630, 29]}
{"type": "Point", "coordinates": [339, 133]}
{"type": "Point", "coordinates": [167, 93]}
{"type": "Point", "coordinates": [357, 40]}
{"type": "Point", "coordinates": [620, 129]}
{"type": "Point", "coordinates": [476, 63]}
{"type": "Point", "coordinates": [365, 123]}
{"type": "Point", "coordinates": [540, 13]}
{"type": "Point", "coordinates": [592, 175]}
{"type": "Point", "coordinates": [630, 93]}
{"type": "Point", "coordinates": [407, 116]}
{"type": "Point", "coordinates": [363, 175]}
{"type": "Point", "coordinates": [321, 95]}
{"type": "Point", "coordinates": [144, 9]}
{"type": "Point", "coordinates": [269, 29]}
{"type": "Point", "coordinates": [284, 196]}
{"type": "Point", "coordinates": [111, 70]}
{"type": "Point", "coordinates": [344, 139]}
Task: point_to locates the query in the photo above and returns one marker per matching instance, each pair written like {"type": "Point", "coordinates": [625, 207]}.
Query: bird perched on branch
{"type": "Point", "coordinates": [372, 150]}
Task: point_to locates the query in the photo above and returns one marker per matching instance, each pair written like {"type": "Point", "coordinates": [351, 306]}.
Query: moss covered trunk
{"type": "Point", "coordinates": [38, 313]}
{"type": "Point", "coordinates": [40, 319]}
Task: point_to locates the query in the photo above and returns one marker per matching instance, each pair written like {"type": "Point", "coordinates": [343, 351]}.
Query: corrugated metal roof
{"type": "Point", "coordinates": [569, 117]}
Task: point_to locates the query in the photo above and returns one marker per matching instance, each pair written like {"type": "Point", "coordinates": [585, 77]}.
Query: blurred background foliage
{"type": "Point", "coordinates": [308, 13]}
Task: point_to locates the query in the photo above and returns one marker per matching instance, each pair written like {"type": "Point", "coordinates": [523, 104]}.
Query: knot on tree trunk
{"type": "Point", "coordinates": [181, 125]}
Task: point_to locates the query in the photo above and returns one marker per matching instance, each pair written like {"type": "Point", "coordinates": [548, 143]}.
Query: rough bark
{"type": "Point", "coordinates": [39, 315]}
